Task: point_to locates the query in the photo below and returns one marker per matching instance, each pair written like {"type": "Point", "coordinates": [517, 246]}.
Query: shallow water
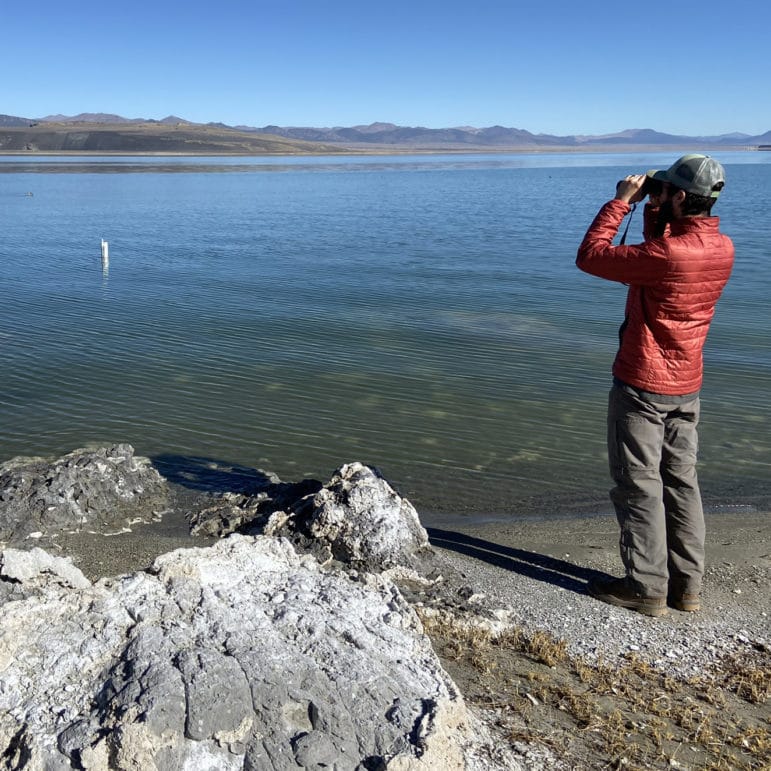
{"type": "Point", "coordinates": [419, 313]}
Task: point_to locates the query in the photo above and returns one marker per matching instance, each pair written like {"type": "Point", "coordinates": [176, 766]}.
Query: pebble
{"type": "Point", "coordinates": [683, 644]}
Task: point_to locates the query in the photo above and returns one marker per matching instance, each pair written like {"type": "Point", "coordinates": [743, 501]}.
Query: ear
{"type": "Point", "coordinates": [679, 196]}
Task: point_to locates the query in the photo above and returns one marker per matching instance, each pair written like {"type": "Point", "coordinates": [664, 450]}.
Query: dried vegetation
{"type": "Point", "coordinates": [602, 715]}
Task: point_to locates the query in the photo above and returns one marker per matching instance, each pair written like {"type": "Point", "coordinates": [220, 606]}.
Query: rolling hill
{"type": "Point", "coordinates": [108, 133]}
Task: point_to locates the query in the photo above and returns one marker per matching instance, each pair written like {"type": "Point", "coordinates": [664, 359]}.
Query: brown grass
{"type": "Point", "coordinates": [611, 715]}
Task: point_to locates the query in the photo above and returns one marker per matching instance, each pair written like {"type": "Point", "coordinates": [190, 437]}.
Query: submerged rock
{"type": "Point", "coordinates": [102, 490]}
{"type": "Point", "coordinates": [243, 655]}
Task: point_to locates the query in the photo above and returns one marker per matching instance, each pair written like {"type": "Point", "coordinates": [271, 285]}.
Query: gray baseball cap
{"type": "Point", "coordinates": [694, 173]}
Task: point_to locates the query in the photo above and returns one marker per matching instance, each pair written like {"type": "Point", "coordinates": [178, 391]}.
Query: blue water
{"type": "Point", "coordinates": [419, 313]}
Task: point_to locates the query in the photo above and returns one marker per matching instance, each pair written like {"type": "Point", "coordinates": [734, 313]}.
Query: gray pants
{"type": "Point", "coordinates": [652, 449]}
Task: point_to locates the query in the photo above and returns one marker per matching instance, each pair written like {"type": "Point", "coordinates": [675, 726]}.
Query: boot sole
{"type": "Point", "coordinates": [685, 607]}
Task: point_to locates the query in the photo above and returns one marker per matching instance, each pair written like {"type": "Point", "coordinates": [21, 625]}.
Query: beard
{"type": "Point", "coordinates": [666, 215]}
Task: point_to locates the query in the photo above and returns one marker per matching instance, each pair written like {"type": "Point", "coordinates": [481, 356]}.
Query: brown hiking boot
{"type": "Point", "coordinates": [685, 601]}
{"type": "Point", "coordinates": [622, 592]}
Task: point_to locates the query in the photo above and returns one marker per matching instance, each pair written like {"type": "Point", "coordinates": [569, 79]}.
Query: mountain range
{"type": "Point", "coordinates": [498, 136]}
{"type": "Point", "coordinates": [375, 135]}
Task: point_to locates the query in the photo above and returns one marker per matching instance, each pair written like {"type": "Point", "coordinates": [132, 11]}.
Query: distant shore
{"type": "Point", "coordinates": [88, 138]}
{"type": "Point", "coordinates": [374, 150]}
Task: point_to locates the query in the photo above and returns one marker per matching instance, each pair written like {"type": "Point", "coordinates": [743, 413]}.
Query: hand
{"type": "Point", "coordinates": [628, 190]}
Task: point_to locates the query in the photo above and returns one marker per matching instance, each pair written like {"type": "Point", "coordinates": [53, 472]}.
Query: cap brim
{"type": "Point", "coordinates": [659, 174]}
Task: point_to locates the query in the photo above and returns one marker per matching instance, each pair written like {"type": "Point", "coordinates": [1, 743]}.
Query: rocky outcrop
{"type": "Point", "coordinates": [100, 490]}
{"type": "Point", "coordinates": [288, 644]}
{"type": "Point", "coordinates": [28, 573]}
{"type": "Point", "coordinates": [242, 655]}
{"type": "Point", "coordinates": [356, 519]}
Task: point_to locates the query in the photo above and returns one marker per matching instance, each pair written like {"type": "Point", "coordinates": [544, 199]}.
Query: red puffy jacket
{"type": "Point", "coordinates": [674, 283]}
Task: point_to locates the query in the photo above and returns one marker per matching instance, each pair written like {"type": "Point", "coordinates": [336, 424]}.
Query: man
{"type": "Point", "coordinates": [675, 279]}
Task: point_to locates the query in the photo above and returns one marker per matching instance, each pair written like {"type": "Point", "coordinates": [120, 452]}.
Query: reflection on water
{"type": "Point", "coordinates": [431, 324]}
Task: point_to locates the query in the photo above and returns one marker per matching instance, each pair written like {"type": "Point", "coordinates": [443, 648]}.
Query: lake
{"type": "Point", "coordinates": [422, 314]}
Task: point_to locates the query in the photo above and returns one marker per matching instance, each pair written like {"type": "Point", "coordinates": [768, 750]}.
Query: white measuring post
{"type": "Point", "coordinates": [105, 258]}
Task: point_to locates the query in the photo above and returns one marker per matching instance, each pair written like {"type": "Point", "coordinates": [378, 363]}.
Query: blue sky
{"type": "Point", "coordinates": [697, 68]}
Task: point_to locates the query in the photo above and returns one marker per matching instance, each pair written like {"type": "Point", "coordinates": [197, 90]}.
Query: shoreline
{"type": "Point", "coordinates": [557, 678]}
{"type": "Point", "coordinates": [753, 505]}
{"type": "Point", "coordinates": [134, 548]}
{"type": "Point", "coordinates": [380, 151]}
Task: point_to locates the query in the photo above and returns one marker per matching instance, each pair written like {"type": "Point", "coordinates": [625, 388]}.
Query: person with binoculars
{"type": "Point", "coordinates": [675, 278]}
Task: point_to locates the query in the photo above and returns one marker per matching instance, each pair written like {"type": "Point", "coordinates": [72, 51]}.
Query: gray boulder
{"type": "Point", "coordinates": [243, 655]}
{"type": "Point", "coordinates": [39, 568]}
{"type": "Point", "coordinates": [357, 519]}
{"type": "Point", "coordinates": [26, 573]}
{"type": "Point", "coordinates": [102, 490]}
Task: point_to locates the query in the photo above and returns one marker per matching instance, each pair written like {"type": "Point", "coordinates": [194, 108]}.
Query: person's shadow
{"type": "Point", "coordinates": [527, 563]}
